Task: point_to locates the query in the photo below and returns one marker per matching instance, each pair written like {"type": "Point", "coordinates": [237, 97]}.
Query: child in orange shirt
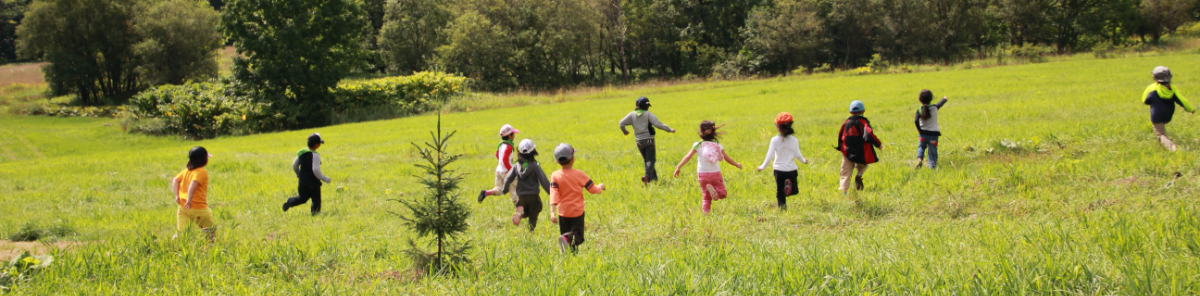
{"type": "Point", "coordinates": [566, 198]}
{"type": "Point", "coordinates": [194, 209]}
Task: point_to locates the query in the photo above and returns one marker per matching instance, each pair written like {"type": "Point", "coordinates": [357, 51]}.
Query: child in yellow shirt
{"type": "Point", "coordinates": [193, 184]}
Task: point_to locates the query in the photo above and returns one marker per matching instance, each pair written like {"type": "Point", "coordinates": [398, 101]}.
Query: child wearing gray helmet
{"type": "Point", "coordinates": [1162, 98]}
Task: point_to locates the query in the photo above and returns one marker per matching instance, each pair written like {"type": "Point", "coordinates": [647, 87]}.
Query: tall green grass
{"type": "Point", "coordinates": [1074, 197]}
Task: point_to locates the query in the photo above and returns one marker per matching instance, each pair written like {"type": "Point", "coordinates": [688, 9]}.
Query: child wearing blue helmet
{"type": "Point", "coordinates": [857, 142]}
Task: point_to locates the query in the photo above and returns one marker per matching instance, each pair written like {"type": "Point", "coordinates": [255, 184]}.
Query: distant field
{"type": "Point", "coordinates": [1051, 183]}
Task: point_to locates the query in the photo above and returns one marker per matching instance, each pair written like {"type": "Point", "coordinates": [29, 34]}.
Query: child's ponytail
{"type": "Point", "coordinates": [785, 129]}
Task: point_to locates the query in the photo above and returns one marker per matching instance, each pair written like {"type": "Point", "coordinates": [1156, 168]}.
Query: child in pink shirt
{"type": "Point", "coordinates": [708, 165]}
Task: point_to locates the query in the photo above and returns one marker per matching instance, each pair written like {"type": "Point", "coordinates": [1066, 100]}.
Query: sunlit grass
{"type": "Point", "coordinates": [1075, 196]}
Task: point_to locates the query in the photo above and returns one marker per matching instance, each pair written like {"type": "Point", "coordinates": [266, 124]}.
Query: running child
{"type": "Point", "coordinates": [708, 165]}
{"type": "Point", "coordinates": [857, 142]}
{"type": "Point", "coordinates": [566, 198]}
{"type": "Point", "coordinates": [926, 121]}
{"type": "Point", "coordinates": [307, 167]}
{"type": "Point", "coordinates": [1162, 99]}
{"type": "Point", "coordinates": [643, 123]}
{"type": "Point", "coordinates": [527, 176]}
{"type": "Point", "coordinates": [505, 159]}
{"type": "Point", "coordinates": [785, 148]}
{"type": "Point", "coordinates": [192, 183]}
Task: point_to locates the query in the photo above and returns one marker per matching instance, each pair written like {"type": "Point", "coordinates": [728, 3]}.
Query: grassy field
{"type": "Point", "coordinates": [1051, 183]}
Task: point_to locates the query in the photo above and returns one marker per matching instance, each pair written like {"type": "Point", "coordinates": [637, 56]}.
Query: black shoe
{"type": "Point", "coordinates": [645, 180]}
{"type": "Point", "coordinates": [858, 184]}
{"type": "Point", "coordinates": [285, 207]}
{"type": "Point", "coordinates": [482, 195]}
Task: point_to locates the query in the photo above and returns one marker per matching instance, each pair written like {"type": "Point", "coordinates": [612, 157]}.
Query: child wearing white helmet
{"type": "Point", "coordinates": [857, 142]}
{"type": "Point", "coordinates": [528, 177]}
{"type": "Point", "coordinates": [1162, 99]}
{"type": "Point", "coordinates": [504, 155]}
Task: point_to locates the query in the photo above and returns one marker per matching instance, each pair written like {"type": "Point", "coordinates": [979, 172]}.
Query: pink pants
{"type": "Point", "coordinates": [717, 183]}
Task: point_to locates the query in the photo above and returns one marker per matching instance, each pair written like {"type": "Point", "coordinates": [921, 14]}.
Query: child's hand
{"type": "Point", "coordinates": [760, 168]}
{"type": "Point", "coordinates": [602, 187]}
{"type": "Point", "coordinates": [672, 131]}
{"type": "Point", "coordinates": [187, 205]}
{"type": "Point", "coordinates": [626, 132]}
{"type": "Point", "coordinates": [738, 165]}
{"type": "Point", "coordinates": [804, 161]}
{"type": "Point", "coordinates": [554, 219]}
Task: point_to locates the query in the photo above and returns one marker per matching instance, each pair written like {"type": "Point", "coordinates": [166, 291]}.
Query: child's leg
{"type": "Point", "coordinates": [182, 220]}
{"type": "Point", "coordinates": [718, 183]}
{"type": "Point", "coordinates": [781, 192]}
{"type": "Point", "coordinates": [649, 158]}
{"type": "Point", "coordinates": [933, 151]}
{"type": "Point", "coordinates": [532, 210]}
{"type": "Point", "coordinates": [204, 219]}
{"type": "Point", "coordinates": [1160, 131]}
{"type": "Point", "coordinates": [300, 198]}
{"type": "Point", "coordinates": [921, 145]}
{"type": "Point", "coordinates": [498, 185]}
{"type": "Point", "coordinates": [846, 172]}
{"type": "Point", "coordinates": [316, 199]}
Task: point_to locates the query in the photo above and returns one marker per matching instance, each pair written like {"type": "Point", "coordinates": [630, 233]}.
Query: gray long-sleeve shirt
{"type": "Point", "coordinates": [529, 177]}
{"type": "Point", "coordinates": [642, 125]}
{"type": "Point", "coordinates": [316, 167]}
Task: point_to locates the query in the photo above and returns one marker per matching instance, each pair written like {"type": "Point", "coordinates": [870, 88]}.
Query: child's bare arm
{"type": "Point", "coordinates": [554, 213]}
{"type": "Point", "coordinates": [685, 160]}
{"type": "Point", "coordinates": [730, 160]}
{"type": "Point", "coordinates": [175, 188]}
{"type": "Point", "coordinates": [191, 193]}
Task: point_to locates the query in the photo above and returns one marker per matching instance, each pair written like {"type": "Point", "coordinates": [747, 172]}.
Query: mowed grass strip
{"type": "Point", "coordinates": [1074, 197]}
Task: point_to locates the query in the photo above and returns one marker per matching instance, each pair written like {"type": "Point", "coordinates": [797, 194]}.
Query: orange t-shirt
{"type": "Point", "coordinates": [566, 191]}
{"type": "Point", "coordinates": [200, 175]}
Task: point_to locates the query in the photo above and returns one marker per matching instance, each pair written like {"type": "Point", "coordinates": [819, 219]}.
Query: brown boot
{"type": "Point", "coordinates": [920, 161]}
{"type": "Point", "coordinates": [858, 184]}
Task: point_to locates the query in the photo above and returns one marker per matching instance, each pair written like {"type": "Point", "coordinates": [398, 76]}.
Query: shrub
{"type": "Point", "coordinates": [199, 110]}
{"type": "Point", "coordinates": [69, 111]}
{"type": "Point", "coordinates": [394, 96]}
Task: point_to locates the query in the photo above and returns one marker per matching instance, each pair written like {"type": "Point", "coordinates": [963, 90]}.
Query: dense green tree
{"type": "Point", "coordinates": [787, 35]}
{"type": "Point", "coordinates": [179, 42]}
{"type": "Point", "coordinates": [11, 14]}
{"type": "Point", "coordinates": [375, 10]}
{"type": "Point", "coordinates": [480, 50]}
{"type": "Point", "coordinates": [88, 44]}
{"type": "Point", "coordinates": [1164, 16]}
{"type": "Point", "coordinates": [411, 33]}
{"type": "Point", "coordinates": [295, 52]}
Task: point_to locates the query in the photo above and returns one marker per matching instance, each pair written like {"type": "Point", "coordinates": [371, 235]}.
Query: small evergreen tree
{"type": "Point", "coordinates": [438, 217]}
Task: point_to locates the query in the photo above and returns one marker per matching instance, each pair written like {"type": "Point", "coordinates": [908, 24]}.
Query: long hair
{"type": "Point", "coordinates": [525, 158]}
{"type": "Point", "coordinates": [708, 131]}
{"type": "Point", "coordinates": [197, 158]}
{"type": "Point", "coordinates": [925, 98]}
{"type": "Point", "coordinates": [785, 129]}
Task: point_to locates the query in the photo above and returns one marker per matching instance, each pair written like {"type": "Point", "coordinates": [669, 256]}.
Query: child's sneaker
{"type": "Point", "coordinates": [712, 192]}
{"type": "Point", "coordinates": [787, 187]}
{"type": "Point", "coordinates": [920, 161]}
{"type": "Point", "coordinates": [858, 183]}
{"type": "Point", "coordinates": [482, 195]}
{"type": "Point", "coordinates": [563, 243]}
{"type": "Point", "coordinates": [645, 180]}
{"type": "Point", "coordinates": [285, 207]}
{"type": "Point", "coordinates": [517, 216]}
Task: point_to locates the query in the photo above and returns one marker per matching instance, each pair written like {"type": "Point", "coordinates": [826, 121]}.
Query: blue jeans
{"type": "Point", "coordinates": [930, 143]}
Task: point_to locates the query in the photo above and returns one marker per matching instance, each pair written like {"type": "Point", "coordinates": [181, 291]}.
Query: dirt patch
{"type": "Point", "coordinates": [22, 73]}
{"type": "Point", "coordinates": [10, 249]}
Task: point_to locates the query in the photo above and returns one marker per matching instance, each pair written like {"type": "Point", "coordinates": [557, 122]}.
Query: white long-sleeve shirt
{"type": "Point", "coordinates": [316, 167]}
{"type": "Point", "coordinates": [784, 150]}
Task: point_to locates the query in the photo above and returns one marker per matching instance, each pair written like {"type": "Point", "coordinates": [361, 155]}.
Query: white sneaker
{"type": "Point", "coordinates": [712, 192]}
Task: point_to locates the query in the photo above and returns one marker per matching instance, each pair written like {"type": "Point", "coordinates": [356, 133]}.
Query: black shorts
{"type": "Point", "coordinates": [781, 176]}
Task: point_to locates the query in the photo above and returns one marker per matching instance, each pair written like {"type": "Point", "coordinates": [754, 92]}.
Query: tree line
{"type": "Point", "coordinates": [105, 50]}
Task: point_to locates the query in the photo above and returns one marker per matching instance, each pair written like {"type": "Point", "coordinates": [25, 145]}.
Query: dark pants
{"type": "Point", "coordinates": [307, 192]}
{"type": "Point", "coordinates": [780, 195]}
{"type": "Point", "coordinates": [646, 147]}
{"type": "Point", "coordinates": [533, 207]}
{"type": "Point", "coordinates": [572, 228]}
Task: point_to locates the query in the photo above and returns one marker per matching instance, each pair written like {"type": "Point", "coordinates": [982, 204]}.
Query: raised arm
{"type": "Point", "coordinates": [942, 102]}
{"type": "Point", "coordinates": [770, 152]}
{"type": "Point", "coordinates": [175, 188]}
{"type": "Point", "coordinates": [685, 160]}
{"type": "Point", "coordinates": [296, 166]}
{"type": "Point", "coordinates": [662, 126]}
{"type": "Point", "coordinates": [730, 160]}
{"type": "Point", "coordinates": [627, 121]}
{"type": "Point", "coordinates": [316, 164]}
{"type": "Point", "coordinates": [508, 180]}
{"type": "Point", "coordinates": [1187, 105]}
{"type": "Point", "coordinates": [543, 180]}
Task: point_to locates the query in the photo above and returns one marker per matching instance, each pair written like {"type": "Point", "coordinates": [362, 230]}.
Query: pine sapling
{"type": "Point", "coordinates": [438, 217]}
